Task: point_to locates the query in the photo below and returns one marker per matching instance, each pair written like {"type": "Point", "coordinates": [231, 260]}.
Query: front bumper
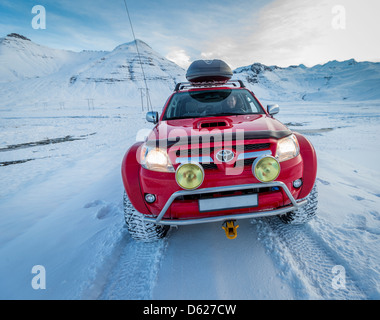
{"type": "Point", "coordinates": [258, 214]}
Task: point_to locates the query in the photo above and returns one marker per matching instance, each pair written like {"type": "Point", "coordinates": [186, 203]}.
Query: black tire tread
{"type": "Point", "coordinates": [304, 214]}
{"type": "Point", "coordinates": [138, 229]}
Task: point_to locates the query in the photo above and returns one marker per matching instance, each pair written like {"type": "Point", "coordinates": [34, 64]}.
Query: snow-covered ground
{"type": "Point", "coordinates": [66, 120]}
{"type": "Point", "coordinates": [62, 209]}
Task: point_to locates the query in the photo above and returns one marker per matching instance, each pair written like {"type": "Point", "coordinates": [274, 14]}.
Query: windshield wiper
{"type": "Point", "coordinates": [178, 118]}
{"type": "Point", "coordinates": [208, 115]}
{"type": "Point", "coordinates": [230, 114]}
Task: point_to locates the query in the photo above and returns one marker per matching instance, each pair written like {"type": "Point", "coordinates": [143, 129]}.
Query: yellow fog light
{"type": "Point", "coordinates": [266, 169]}
{"type": "Point", "coordinates": [189, 176]}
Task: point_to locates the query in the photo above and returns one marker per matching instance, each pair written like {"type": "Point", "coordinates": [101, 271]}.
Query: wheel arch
{"type": "Point", "coordinates": [130, 172]}
{"type": "Point", "coordinates": [310, 165]}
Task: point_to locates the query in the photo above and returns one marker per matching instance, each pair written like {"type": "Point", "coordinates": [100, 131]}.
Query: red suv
{"type": "Point", "coordinates": [216, 154]}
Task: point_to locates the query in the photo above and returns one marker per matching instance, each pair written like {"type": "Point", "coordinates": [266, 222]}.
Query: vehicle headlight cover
{"type": "Point", "coordinates": [189, 176]}
{"type": "Point", "coordinates": [287, 148]}
{"type": "Point", "coordinates": [155, 159]}
{"type": "Point", "coordinates": [266, 168]}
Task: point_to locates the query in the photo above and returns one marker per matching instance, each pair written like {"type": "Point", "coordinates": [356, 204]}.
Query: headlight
{"type": "Point", "coordinates": [189, 176]}
{"type": "Point", "coordinates": [266, 169]}
{"type": "Point", "coordinates": [155, 159]}
{"type": "Point", "coordinates": [287, 148]}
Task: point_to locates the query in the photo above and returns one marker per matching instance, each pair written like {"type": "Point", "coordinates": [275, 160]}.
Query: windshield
{"type": "Point", "coordinates": [210, 103]}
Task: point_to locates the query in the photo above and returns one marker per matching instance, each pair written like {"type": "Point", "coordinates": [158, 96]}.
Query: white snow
{"type": "Point", "coordinates": [333, 81]}
{"type": "Point", "coordinates": [62, 208]}
{"type": "Point", "coordinates": [36, 76]}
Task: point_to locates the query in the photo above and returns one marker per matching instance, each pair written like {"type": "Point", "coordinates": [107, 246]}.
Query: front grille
{"type": "Point", "coordinates": [195, 152]}
{"type": "Point", "coordinates": [259, 146]}
{"type": "Point", "coordinates": [245, 162]}
{"type": "Point", "coordinates": [209, 166]}
{"type": "Point", "coordinates": [210, 151]}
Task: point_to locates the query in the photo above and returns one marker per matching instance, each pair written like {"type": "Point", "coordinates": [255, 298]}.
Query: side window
{"type": "Point", "coordinates": [173, 107]}
{"type": "Point", "coordinates": [252, 105]}
{"type": "Point", "coordinates": [247, 103]}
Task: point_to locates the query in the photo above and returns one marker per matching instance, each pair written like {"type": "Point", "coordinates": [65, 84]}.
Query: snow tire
{"type": "Point", "coordinates": [138, 228]}
{"type": "Point", "coordinates": [304, 214]}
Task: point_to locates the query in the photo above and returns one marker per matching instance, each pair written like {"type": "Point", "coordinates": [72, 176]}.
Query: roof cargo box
{"type": "Point", "coordinates": [208, 71]}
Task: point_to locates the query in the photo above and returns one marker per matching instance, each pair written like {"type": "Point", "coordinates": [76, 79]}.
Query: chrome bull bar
{"type": "Point", "coordinates": [177, 222]}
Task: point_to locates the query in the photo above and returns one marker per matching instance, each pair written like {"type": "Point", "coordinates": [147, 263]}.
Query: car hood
{"type": "Point", "coordinates": [252, 126]}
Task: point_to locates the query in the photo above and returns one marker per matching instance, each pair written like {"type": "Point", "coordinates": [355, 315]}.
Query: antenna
{"type": "Point", "coordinates": [138, 53]}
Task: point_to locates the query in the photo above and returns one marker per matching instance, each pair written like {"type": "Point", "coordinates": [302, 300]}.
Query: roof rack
{"type": "Point", "coordinates": [190, 85]}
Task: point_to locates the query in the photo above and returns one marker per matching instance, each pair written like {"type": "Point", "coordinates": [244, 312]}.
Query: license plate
{"type": "Point", "coordinates": [227, 203]}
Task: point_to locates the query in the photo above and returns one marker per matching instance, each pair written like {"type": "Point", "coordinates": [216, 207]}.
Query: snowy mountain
{"type": "Point", "coordinates": [35, 75]}
{"type": "Point", "coordinates": [22, 59]}
{"type": "Point", "coordinates": [31, 74]}
{"type": "Point", "coordinates": [333, 81]}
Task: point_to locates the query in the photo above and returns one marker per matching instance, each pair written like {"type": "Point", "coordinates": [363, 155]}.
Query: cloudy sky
{"type": "Point", "coordinates": [272, 32]}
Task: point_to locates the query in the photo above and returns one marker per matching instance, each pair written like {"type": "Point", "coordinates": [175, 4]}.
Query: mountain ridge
{"type": "Point", "coordinates": [43, 74]}
{"type": "Point", "coordinates": [332, 81]}
{"type": "Point", "coordinates": [62, 75]}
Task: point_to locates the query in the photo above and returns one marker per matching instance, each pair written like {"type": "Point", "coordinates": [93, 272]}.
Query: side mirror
{"type": "Point", "coordinates": [273, 109]}
{"type": "Point", "coordinates": [152, 116]}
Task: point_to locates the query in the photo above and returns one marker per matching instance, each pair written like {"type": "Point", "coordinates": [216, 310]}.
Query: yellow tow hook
{"type": "Point", "coordinates": [230, 229]}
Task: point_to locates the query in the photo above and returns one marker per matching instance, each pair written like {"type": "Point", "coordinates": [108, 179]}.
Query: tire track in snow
{"type": "Point", "coordinates": [134, 275]}
{"type": "Point", "coordinates": [200, 263]}
{"type": "Point", "coordinates": [123, 269]}
{"type": "Point", "coordinates": [306, 261]}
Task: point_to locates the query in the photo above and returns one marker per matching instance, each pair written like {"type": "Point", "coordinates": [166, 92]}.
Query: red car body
{"type": "Point", "coordinates": [261, 133]}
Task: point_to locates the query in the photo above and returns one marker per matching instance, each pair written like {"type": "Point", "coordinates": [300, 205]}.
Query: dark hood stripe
{"type": "Point", "coordinates": [195, 139]}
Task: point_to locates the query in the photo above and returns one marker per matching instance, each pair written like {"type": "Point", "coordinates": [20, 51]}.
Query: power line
{"type": "Point", "coordinates": [139, 56]}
